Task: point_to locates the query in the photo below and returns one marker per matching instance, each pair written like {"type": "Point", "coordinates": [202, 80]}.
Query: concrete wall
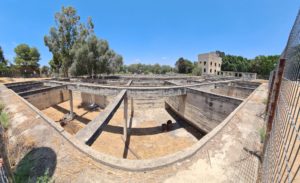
{"type": "Point", "coordinates": [228, 89]}
{"type": "Point", "coordinates": [87, 98]}
{"type": "Point", "coordinates": [201, 109]}
{"type": "Point", "coordinates": [48, 98]}
{"type": "Point", "coordinates": [146, 103]}
{"type": "Point", "coordinates": [244, 75]}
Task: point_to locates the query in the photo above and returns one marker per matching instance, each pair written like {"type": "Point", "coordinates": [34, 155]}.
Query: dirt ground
{"type": "Point", "coordinates": [4, 80]}
{"type": "Point", "coordinates": [83, 115]}
{"type": "Point", "coordinates": [146, 140]}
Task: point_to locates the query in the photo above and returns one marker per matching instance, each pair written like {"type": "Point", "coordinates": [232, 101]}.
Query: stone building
{"type": "Point", "coordinates": [210, 63]}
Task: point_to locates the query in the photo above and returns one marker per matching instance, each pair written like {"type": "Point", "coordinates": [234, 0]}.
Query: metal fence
{"type": "Point", "coordinates": [281, 152]}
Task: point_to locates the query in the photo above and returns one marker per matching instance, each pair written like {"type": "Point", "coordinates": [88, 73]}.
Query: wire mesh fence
{"type": "Point", "coordinates": [281, 155]}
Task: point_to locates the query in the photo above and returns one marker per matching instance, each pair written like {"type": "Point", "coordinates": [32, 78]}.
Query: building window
{"type": "Point", "coordinates": [215, 71]}
{"type": "Point", "coordinates": [211, 63]}
{"type": "Point", "coordinates": [215, 64]}
{"type": "Point", "coordinates": [210, 70]}
{"type": "Point", "coordinates": [204, 70]}
{"type": "Point", "coordinates": [219, 65]}
{"type": "Point", "coordinates": [204, 63]}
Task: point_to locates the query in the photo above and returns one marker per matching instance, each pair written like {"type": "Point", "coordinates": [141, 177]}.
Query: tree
{"type": "Point", "coordinates": [45, 70]}
{"type": "Point", "coordinates": [27, 59]}
{"type": "Point", "coordinates": [93, 56]}
{"type": "Point", "coordinates": [62, 38]}
{"type": "Point", "coordinates": [197, 70]}
{"type": "Point", "coordinates": [263, 65]}
{"type": "Point", "coordinates": [3, 62]}
{"type": "Point", "coordinates": [184, 66]}
{"type": "Point", "coordinates": [2, 59]}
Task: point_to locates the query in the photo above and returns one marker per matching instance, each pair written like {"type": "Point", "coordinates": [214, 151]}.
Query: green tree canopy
{"type": "Point", "coordinates": [2, 59]}
{"type": "Point", "coordinates": [184, 66]}
{"type": "Point", "coordinates": [27, 59]}
{"type": "Point", "coordinates": [93, 56]}
{"type": "Point", "coordinates": [148, 68]}
{"type": "Point", "coordinates": [262, 65]}
{"type": "Point", "coordinates": [3, 62]}
{"type": "Point", "coordinates": [62, 37]}
{"type": "Point", "coordinates": [77, 50]}
{"type": "Point", "coordinates": [45, 70]}
{"type": "Point", "coordinates": [197, 70]}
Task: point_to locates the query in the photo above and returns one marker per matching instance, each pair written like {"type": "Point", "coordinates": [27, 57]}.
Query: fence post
{"type": "Point", "coordinates": [273, 99]}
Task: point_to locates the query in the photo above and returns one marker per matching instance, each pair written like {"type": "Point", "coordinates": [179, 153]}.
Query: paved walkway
{"type": "Point", "coordinates": [225, 158]}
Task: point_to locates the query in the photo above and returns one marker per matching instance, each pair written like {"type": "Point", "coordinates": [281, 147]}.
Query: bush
{"type": "Point", "coordinates": [4, 119]}
{"type": "Point", "coordinates": [45, 178]}
{"type": "Point", "coordinates": [1, 107]}
{"type": "Point", "coordinates": [262, 134]}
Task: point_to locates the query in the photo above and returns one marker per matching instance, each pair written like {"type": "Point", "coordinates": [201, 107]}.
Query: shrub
{"type": "Point", "coordinates": [262, 134]}
{"type": "Point", "coordinates": [4, 119]}
{"type": "Point", "coordinates": [1, 107]}
{"type": "Point", "coordinates": [44, 178]}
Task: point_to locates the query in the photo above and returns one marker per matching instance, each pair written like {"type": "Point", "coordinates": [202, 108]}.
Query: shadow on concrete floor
{"type": "Point", "coordinates": [39, 163]}
{"type": "Point", "coordinates": [65, 111]}
{"type": "Point", "coordinates": [184, 124]}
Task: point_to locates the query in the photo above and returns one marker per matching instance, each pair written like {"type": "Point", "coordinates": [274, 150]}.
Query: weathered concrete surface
{"type": "Point", "coordinates": [44, 98]}
{"type": "Point", "coordinates": [24, 86]}
{"type": "Point", "coordinates": [90, 132]}
{"type": "Point", "coordinates": [201, 109]}
{"type": "Point", "coordinates": [226, 157]}
{"type": "Point", "coordinates": [136, 92]}
{"type": "Point", "coordinates": [229, 162]}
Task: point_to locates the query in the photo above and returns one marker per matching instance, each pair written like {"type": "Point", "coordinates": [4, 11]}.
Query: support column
{"type": "Point", "coordinates": [125, 117]}
{"type": "Point", "coordinates": [71, 103]}
{"type": "Point", "coordinates": [132, 107]}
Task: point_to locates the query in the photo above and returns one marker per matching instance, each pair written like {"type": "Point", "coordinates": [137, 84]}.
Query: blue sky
{"type": "Point", "coordinates": [158, 31]}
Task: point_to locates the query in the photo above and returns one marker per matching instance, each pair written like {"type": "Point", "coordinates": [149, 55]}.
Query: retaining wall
{"type": "Point", "coordinates": [203, 110]}
{"type": "Point", "coordinates": [48, 98]}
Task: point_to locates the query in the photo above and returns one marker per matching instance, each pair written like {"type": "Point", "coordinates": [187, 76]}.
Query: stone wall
{"type": "Point", "coordinates": [203, 110]}
{"type": "Point", "coordinates": [48, 98]}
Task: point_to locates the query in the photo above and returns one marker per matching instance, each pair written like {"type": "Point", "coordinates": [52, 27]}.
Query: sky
{"type": "Point", "coordinates": [158, 31]}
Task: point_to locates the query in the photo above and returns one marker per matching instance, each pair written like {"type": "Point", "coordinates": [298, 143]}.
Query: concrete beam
{"type": "Point", "coordinates": [128, 83]}
{"type": "Point", "coordinates": [20, 87]}
{"type": "Point", "coordinates": [71, 103]}
{"type": "Point", "coordinates": [125, 118]}
{"type": "Point", "coordinates": [219, 96]}
{"type": "Point", "coordinates": [94, 128]}
{"type": "Point", "coordinates": [31, 92]}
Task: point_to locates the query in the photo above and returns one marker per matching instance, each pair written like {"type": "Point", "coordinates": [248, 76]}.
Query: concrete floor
{"type": "Point", "coordinates": [146, 140]}
{"type": "Point", "coordinates": [83, 116]}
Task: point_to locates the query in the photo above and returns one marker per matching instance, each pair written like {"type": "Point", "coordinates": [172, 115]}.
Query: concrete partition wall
{"type": "Point", "coordinates": [48, 98]}
{"type": "Point", "coordinates": [100, 100]}
{"type": "Point", "coordinates": [203, 110]}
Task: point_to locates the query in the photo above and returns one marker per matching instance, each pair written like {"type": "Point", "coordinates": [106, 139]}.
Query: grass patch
{"type": "Point", "coordinates": [1, 107]}
{"type": "Point", "coordinates": [265, 101]}
{"type": "Point", "coordinates": [262, 134]}
{"type": "Point", "coordinates": [4, 119]}
{"type": "Point", "coordinates": [44, 178]}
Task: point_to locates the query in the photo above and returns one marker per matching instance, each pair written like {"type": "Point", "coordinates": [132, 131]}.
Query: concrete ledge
{"type": "Point", "coordinates": [31, 92]}
{"type": "Point", "coordinates": [141, 92]}
{"type": "Point", "coordinates": [90, 133]}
